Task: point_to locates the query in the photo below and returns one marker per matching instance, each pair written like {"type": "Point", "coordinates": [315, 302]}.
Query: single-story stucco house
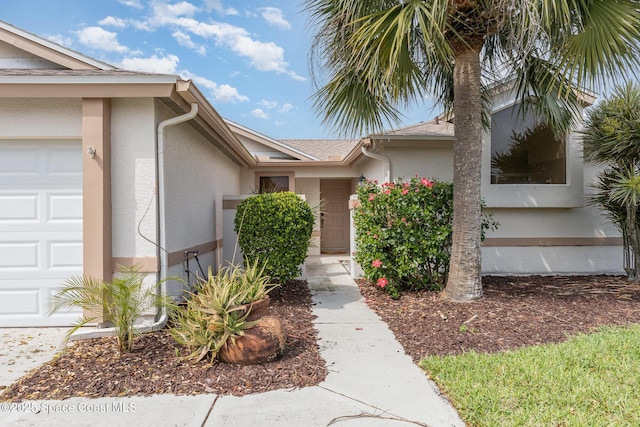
{"type": "Point", "coordinates": [101, 167]}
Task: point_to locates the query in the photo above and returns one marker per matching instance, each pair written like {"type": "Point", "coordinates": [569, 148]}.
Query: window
{"type": "Point", "coordinates": [525, 151]}
{"type": "Point", "coordinates": [274, 184]}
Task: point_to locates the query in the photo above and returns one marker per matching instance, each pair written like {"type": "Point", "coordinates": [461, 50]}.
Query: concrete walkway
{"type": "Point", "coordinates": [371, 382]}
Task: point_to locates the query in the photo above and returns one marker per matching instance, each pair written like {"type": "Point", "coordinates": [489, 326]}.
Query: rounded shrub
{"type": "Point", "coordinates": [274, 230]}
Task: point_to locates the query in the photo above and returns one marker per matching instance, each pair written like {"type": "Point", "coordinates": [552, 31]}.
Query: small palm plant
{"type": "Point", "coordinates": [119, 303]}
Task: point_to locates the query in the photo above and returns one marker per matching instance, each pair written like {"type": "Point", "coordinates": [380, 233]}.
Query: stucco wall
{"type": "Point", "coordinates": [133, 178]}
{"type": "Point", "coordinates": [41, 118]}
{"type": "Point", "coordinates": [434, 162]}
{"type": "Point", "coordinates": [582, 221]}
{"type": "Point", "coordinates": [310, 187]}
{"type": "Point", "coordinates": [197, 175]}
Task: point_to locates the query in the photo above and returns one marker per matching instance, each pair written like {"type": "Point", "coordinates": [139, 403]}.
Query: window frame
{"type": "Point", "coordinates": [289, 175]}
{"type": "Point", "coordinates": [526, 195]}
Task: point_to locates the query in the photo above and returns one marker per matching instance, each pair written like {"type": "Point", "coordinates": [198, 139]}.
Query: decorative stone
{"type": "Point", "coordinates": [264, 342]}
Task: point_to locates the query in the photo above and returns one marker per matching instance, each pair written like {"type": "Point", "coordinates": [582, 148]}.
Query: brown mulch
{"type": "Point", "coordinates": [95, 368]}
{"type": "Point", "coordinates": [514, 312]}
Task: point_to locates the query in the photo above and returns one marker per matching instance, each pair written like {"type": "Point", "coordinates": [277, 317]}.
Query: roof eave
{"type": "Point", "coordinates": [49, 50]}
{"type": "Point", "coordinates": [190, 93]}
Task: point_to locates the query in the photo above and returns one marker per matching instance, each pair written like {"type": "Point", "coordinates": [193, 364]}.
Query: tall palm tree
{"type": "Point", "coordinates": [377, 56]}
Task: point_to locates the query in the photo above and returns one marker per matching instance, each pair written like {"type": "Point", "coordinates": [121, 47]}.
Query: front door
{"type": "Point", "coordinates": [335, 216]}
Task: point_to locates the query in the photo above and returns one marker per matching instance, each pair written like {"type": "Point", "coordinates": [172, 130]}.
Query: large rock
{"type": "Point", "coordinates": [262, 343]}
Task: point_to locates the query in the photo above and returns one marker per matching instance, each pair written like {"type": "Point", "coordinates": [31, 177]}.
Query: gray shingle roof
{"type": "Point", "coordinates": [324, 149]}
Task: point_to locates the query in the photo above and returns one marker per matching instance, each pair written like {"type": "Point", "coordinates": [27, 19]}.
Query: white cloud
{"type": "Point", "coordinates": [268, 104]}
{"type": "Point", "coordinates": [112, 21]}
{"type": "Point", "coordinates": [274, 17]}
{"type": "Point", "coordinates": [153, 64]}
{"type": "Point", "coordinates": [98, 38]}
{"type": "Point", "coordinates": [264, 56]}
{"type": "Point", "coordinates": [226, 93]}
{"type": "Point", "coordinates": [220, 93]}
{"type": "Point", "coordinates": [259, 113]}
{"type": "Point", "coordinates": [184, 40]}
{"type": "Point", "coordinates": [218, 7]}
{"type": "Point", "coordinates": [296, 76]}
{"type": "Point", "coordinates": [286, 108]}
{"type": "Point", "coordinates": [61, 40]}
{"type": "Point", "coordinates": [164, 13]}
{"type": "Point", "coordinates": [131, 3]}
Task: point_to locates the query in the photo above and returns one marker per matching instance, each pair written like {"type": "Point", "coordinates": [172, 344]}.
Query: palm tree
{"type": "Point", "coordinates": [611, 137]}
{"type": "Point", "coordinates": [377, 56]}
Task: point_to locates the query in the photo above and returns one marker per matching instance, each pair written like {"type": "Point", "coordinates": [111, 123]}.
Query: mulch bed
{"type": "Point", "coordinates": [514, 312]}
{"type": "Point", "coordinates": [95, 368]}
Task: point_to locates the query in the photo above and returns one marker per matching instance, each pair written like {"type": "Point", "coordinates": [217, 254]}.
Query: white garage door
{"type": "Point", "coordinates": [40, 228]}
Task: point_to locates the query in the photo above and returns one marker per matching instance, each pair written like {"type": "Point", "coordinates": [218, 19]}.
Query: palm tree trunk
{"type": "Point", "coordinates": [464, 282]}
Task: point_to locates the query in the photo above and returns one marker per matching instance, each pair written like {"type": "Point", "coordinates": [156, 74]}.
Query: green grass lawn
{"type": "Point", "coordinates": [589, 380]}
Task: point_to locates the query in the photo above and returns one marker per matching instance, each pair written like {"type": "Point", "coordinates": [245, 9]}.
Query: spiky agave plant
{"type": "Point", "coordinates": [217, 312]}
{"type": "Point", "coordinates": [118, 303]}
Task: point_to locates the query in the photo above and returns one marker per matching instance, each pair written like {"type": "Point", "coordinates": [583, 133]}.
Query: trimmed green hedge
{"type": "Point", "coordinates": [274, 229]}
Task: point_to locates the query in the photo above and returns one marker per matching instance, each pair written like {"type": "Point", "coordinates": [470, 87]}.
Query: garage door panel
{"type": "Point", "coordinates": [21, 256]}
{"type": "Point", "coordinates": [20, 301]}
{"type": "Point", "coordinates": [66, 255]}
{"type": "Point", "coordinates": [19, 207]}
{"type": "Point", "coordinates": [65, 208]}
{"type": "Point", "coordinates": [19, 160]}
{"type": "Point", "coordinates": [40, 228]}
{"type": "Point", "coordinates": [25, 303]}
{"type": "Point", "coordinates": [63, 162]}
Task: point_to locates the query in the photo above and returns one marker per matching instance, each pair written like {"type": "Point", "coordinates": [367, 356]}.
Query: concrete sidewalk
{"type": "Point", "coordinates": [371, 382]}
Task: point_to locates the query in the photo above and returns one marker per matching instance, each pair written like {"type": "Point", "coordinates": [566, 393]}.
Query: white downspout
{"type": "Point", "coordinates": [385, 160]}
{"type": "Point", "coordinates": [163, 254]}
{"type": "Point", "coordinates": [161, 251]}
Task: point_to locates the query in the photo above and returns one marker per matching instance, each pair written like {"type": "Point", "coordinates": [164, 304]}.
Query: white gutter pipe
{"type": "Point", "coordinates": [163, 254]}
{"type": "Point", "coordinates": [161, 251]}
{"type": "Point", "coordinates": [385, 160]}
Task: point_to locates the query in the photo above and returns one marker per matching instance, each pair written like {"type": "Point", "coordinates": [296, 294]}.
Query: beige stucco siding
{"type": "Point", "coordinates": [197, 175]}
{"type": "Point", "coordinates": [133, 178]}
{"type": "Point", "coordinates": [436, 162]}
{"type": "Point", "coordinates": [310, 187]}
{"type": "Point", "coordinates": [537, 240]}
{"type": "Point", "coordinates": [41, 118]}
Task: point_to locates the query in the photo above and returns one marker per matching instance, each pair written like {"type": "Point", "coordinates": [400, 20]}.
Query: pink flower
{"type": "Point", "coordinates": [386, 191]}
{"type": "Point", "coordinates": [404, 220]}
{"type": "Point", "coordinates": [371, 197]}
{"type": "Point", "coordinates": [405, 191]}
{"type": "Point", "coordinates": [382, 282]}
{"type": "Point", "coordinates": [426, 182]}
{"type": "Point", "coordinates": [375, 236]}
{"type": "Point", "coordinates": [376, 263]}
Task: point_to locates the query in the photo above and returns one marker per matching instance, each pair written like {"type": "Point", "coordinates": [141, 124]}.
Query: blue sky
{"type": "Point", "coordinates": [250, 58]}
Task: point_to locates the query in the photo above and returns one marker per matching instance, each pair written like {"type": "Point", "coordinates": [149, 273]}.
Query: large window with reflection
{"type": "Point", "coordinates": [525, 151]}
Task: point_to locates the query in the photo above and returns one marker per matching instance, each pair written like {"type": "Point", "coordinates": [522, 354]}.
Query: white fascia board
{"type": "Point", "coordinates": [263, 139]}
{"type": "Point", "coordinates": [89, 79]}
{"type": "Point", "coordinates": [56, 47]}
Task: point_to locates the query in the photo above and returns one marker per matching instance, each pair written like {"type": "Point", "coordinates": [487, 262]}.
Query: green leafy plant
{"type": "Point", "coordinates": [611, 137]}
{"type": "Point", "coordinates": [118, 303]}
{"type": "Point", "coordinates": [218, 311]}
{"type": "Point", "coordinates": [403, 233]}
{"type": "Point", "coordinates": [274, 230]}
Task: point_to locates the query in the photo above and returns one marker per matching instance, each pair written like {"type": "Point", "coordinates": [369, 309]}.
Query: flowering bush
{"type": "Point", "coordinates": [403, 233]}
